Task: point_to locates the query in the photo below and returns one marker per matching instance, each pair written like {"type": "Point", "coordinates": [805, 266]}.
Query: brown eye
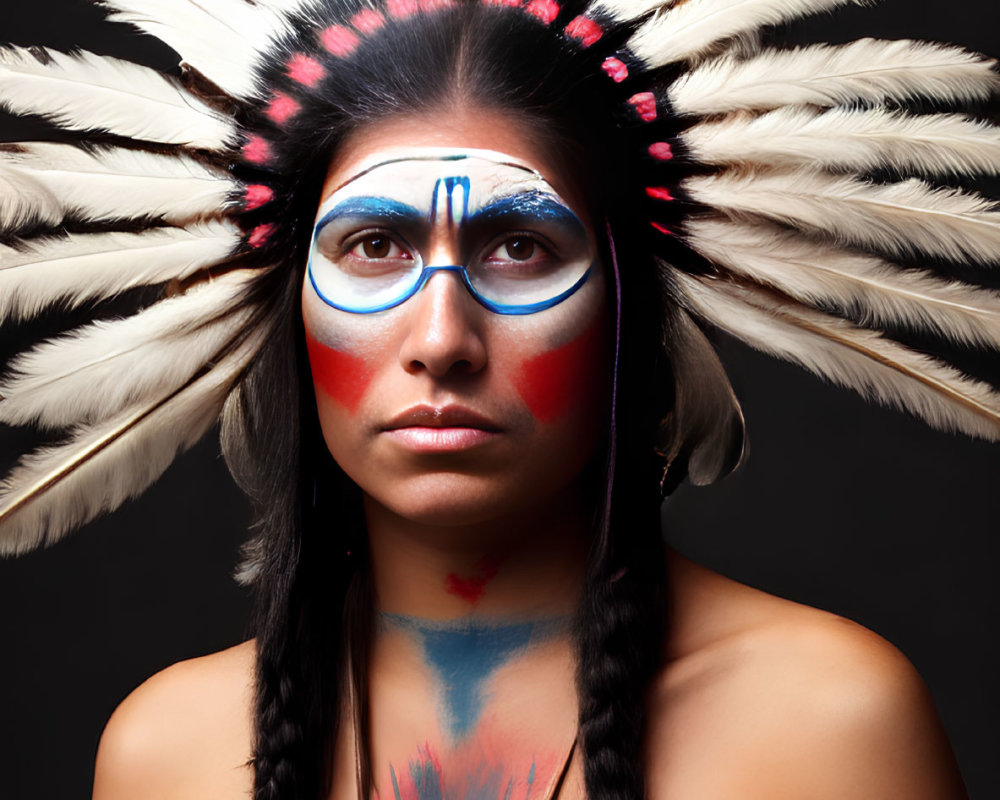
{"type": "Point", "coordinates": [520, 248]}
{"type": "Point", "coordinates": [376, 246]}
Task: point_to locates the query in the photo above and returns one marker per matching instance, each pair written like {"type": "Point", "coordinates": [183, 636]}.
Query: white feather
{"type": "Point", "coordinates": [838, 351]}
{"type": "Point", "coordinates": [867, 70]}
{"type": "Point", "coordinates": [842, 139]}
{"type": "Point", "coordinates": [96, 371]}
{"type": "Point", "coordinates": [68, 182]}
{"type": "Point", "coordinates": [56, 489]}
{"type": "Point", "coordinates": [692, 28]}
{"type": "Point", "coordinates": [85, 91]}
{"type": "Point", "coordinates": [819, 274]}
{"type": "Point", "coordinates": [24, 201]}
{"type": "Point", "coordinates": [223, 39]}
{"type": "Point", "coordinates": [72, 270]}
{"type": "Point", "coordinates": [899, 219]}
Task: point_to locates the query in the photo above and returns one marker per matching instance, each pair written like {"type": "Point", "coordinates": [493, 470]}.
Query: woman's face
{"type": "Point", "coordinates": [444, 411]}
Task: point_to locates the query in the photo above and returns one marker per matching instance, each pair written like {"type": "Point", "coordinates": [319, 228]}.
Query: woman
{"type": "Point", "coordinates": [433, 340]}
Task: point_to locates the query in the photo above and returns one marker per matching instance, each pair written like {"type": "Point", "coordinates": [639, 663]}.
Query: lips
{"type": "Point", "coordinates": [426, 429]}
{"type": "Point", "coordinates": [445, 417]}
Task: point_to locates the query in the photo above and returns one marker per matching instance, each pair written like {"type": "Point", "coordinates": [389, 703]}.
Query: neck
{"type": "Point", "coordinates": [473, 665]}
{"type": "Point", "coordinates": [528, 565]}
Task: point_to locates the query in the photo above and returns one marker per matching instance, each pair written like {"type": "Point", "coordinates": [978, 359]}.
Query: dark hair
{"type": "Point", "coordinates": [306, 572]}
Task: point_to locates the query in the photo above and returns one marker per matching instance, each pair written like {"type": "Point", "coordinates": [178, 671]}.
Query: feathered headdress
{"type": "Point", "coordinates": [817, 190]}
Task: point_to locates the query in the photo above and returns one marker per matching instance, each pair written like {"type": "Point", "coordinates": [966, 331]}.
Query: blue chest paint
{"type": "Point", "coordinates": [465, 656]}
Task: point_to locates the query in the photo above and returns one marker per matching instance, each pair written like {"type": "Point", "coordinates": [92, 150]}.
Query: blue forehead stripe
{"type": "Point", "coordinates": [529, 207]}
{"type": "Point", "coordinates": [450, 184]}
{"type": "Point", "coordinates": [382, 209]}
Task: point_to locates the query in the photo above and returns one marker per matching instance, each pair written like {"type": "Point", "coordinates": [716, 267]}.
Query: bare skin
{"type": "Point", "coordinates": [761, 698]}
{"type": "Point", "coordinates": [478, 566]}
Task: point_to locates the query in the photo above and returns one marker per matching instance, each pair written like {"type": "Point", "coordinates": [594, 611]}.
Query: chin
{"type": "Point", "coordinates": [449, 500]}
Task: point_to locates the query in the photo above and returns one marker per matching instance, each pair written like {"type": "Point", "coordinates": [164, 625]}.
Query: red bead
{"type": "Point", "coordinates": [661, 151]}
{"type": "Point", "coordinates": [402, 8]}
{"type": "Point", "coordinates": [644, 104]}
{"type": "Point", "coordinates": [282, 108]}
{"type": "Point", "coordinates": [615, 69]}
{"type": "Point", "coordinates": [260, 235]}
{"type": "Point", "coordinates": [545, 10]}
{"type": "Point", "coordinates": [257, 195]}
{"type": "Point", "coordinates": [257, 150]}
{"type": "Point", "coordinates": [585, 30]}
{"type": "Point", "coordinates": [305, 70]}
{"type": "Point", "coordinates": [368, 20]}
{"type": "Point", "coordinates": [659, 193]}
{"type": "Point", "coordinates": [339, 41]}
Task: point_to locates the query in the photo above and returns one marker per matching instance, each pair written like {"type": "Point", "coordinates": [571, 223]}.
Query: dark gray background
{"type": "Point", "coordinates": [841, 505]}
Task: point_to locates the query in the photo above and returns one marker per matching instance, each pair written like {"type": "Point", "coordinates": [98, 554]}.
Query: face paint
{"type": "Point", "coordinates": [516, 245]}
{"type": "Point", "coordinates": [552, 382]}
{"type": "Point", "coordinates": [472, 589]}
{"type": "Point", "coordinates": [477, 779]}
{"type": "Point", "coordinates": [340, 376]}
{"type": "Point", "coordinates": [464, 656]}
{"type": "Point", "coordinates": [451, 210]}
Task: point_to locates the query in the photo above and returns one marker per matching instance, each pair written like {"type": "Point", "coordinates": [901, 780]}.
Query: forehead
{"type": "Point", "coordinates": [423, 177]}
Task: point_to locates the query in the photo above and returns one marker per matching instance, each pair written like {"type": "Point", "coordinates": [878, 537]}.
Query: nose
{"type": "Point", "coordinates": [445, 335]}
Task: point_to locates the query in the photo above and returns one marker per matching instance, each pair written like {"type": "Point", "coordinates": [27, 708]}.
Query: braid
{"type": "Point", "coordinates": [620, 623]}
{"type": "Point", "coordinates": [620, 631]}
{"type": "Point", "coordinates": [301, 564]}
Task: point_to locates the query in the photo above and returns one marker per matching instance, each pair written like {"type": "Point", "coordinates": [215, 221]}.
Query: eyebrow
{"type": "Point", "coordinates": [382, 209]}
{"type": "Point", "coordinates": [528, 207]}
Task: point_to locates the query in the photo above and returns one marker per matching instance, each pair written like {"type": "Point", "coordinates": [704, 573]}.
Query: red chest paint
{"type": "Point", "coordinates": [553, 382]}
{"type": "Point", "coordinates": [341, 376]}
{"type": "Point", "coordinates": [472, 589]}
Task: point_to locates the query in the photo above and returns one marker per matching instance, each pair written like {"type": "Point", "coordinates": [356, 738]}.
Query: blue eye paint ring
{"type": "Point", "coordinates": [425, 275]}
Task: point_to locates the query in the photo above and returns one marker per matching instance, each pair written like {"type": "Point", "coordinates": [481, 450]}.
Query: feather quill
{"type": "Point", "coordinates": [691, 29]}
{"type": "Point", "coordinates": [849, 356]}
{"type": "Point", "coordinates": [822, 75]}
{"type": "Point", "coordinates": [96, 371]}
{"type": "Point", "coordinates": [818, 274]}
{"type": "Point", "coordinates": [70, 271]}
{"type": "Point", "coordinates": [843, 139]}
{"type": "Point", "coordinates": [56, 489]}
{"type": "Point", "coordinates": [898, 219]}
{"type": "Point", "coordinates": [89, 92]}
{"type": "Point", "coordinates": [223, 40]}
{"type": "Point", "coordinates": [61, 182]}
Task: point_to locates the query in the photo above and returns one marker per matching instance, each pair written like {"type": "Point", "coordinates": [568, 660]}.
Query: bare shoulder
{"type": "Point", "coordinates": [795, 702]}
{"type": "Point", "coordinates": [185, 732]}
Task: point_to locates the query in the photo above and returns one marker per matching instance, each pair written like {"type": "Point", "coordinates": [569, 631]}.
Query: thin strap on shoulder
{"type": "Point", "coordinates": [557, 783]}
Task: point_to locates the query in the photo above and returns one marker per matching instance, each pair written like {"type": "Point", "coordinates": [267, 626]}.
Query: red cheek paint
{"type": "Point", "coordinates": [553, 382]}
{"type": "Point", "coordinates": [472, 589]}
{"type": "Point", "coordinates": [341, 376]}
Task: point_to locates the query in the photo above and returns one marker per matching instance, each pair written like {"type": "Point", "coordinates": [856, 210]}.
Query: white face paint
{"type": "Point", "coordinates": [384, 231]}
